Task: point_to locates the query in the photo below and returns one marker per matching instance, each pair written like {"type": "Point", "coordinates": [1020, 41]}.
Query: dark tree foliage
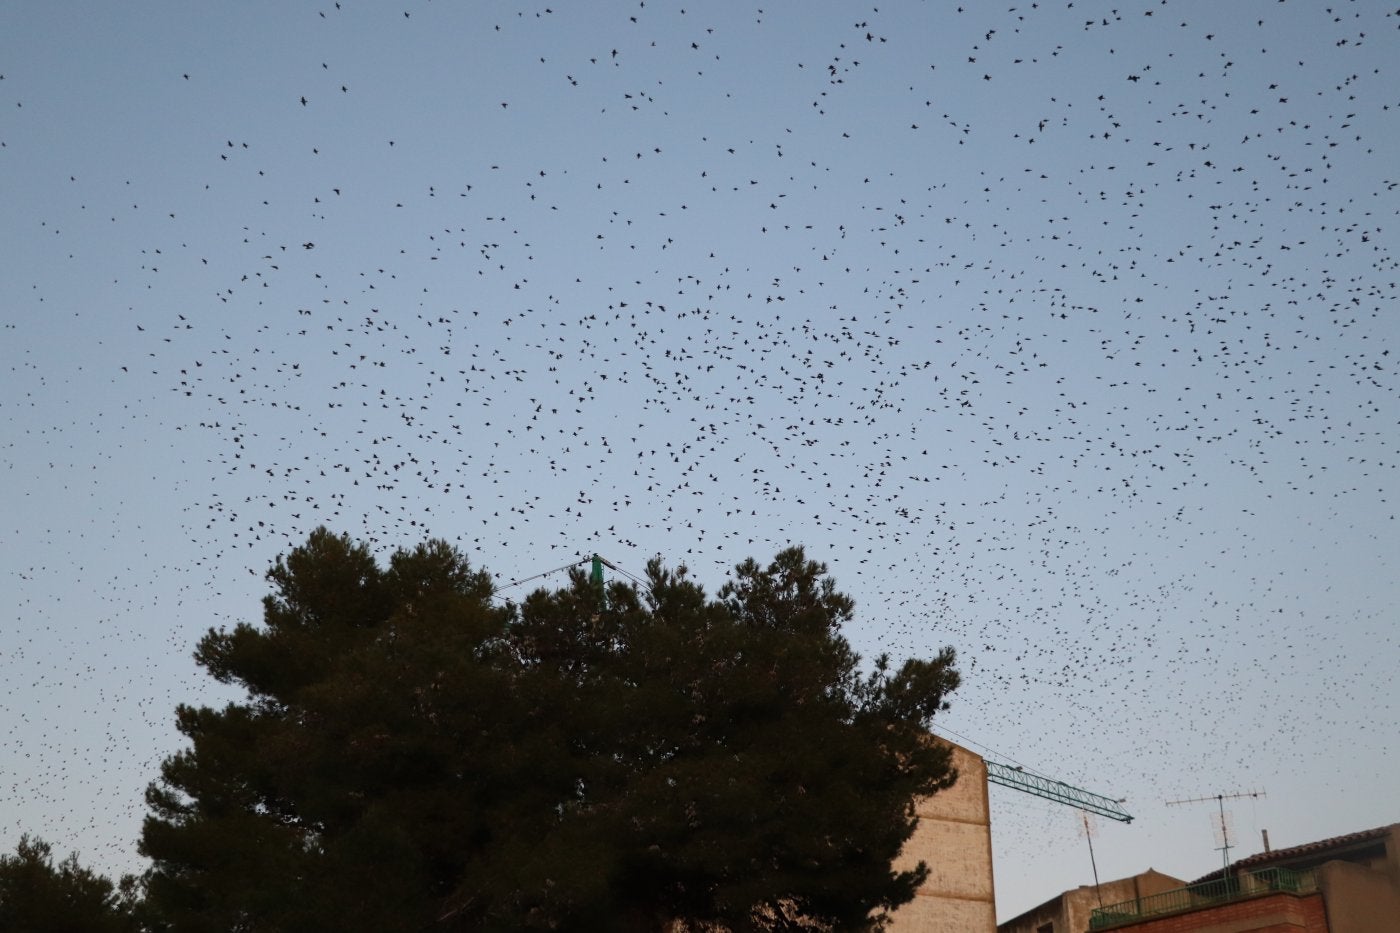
{"type": "Point", "coordinates": [413, 755]}
{"type": "Point", "coordinates": [37, 896]}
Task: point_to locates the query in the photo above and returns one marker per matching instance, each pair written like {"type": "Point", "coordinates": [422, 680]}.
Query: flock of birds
{"type": "Point", "coordinates": [1061, 332]}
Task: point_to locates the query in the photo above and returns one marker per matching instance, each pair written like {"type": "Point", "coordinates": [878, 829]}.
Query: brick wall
{"type": "Point", "coordinates": [1273, 913]}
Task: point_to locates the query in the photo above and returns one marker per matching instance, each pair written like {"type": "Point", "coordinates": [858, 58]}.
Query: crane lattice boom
{"type": "Point", "coordinates": [1008, 776]}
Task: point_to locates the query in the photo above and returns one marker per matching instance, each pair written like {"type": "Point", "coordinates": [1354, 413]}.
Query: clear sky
{"type": "Point", "coordinates": [1062, 333]}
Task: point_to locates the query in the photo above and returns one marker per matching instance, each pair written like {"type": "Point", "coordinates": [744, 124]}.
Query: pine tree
{"type": "Point", "coordinates": [37, 896]}
{"type": "Point", "coordinates": [412, 755]}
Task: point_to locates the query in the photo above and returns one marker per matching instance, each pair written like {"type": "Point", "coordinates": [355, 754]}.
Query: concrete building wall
{"type": "Point", "coordinates": [1357, 891]}
{"type": "Point", "coordinates": [1050, 914]}
{"type": "Point", "coordinates": [1358, 899]}
{"type": "Point", "coordinates": [1115, 892]}
{"type": "Point", "coordinates": [1392, 855]}
{"type": "Point", "coordinates": [1069, 913]}
{"type": "Point", "coordinates": [954, 838]}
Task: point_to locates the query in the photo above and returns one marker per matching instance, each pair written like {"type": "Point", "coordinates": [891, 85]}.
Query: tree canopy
{"type": "Point", "coordinates": [38, 896]}
{"type": "Point", "coordinates": [414, 754]}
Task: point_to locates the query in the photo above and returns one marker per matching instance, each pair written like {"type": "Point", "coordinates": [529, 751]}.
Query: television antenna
{"type": "Point", "coordinates": [1223, 830]}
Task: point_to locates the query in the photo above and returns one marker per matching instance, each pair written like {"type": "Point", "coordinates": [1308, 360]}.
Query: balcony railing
{"type": "Point", "coordinates": [1206, 894]}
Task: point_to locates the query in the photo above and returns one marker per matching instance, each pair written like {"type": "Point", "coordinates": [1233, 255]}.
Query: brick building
{"type": "Point", "coordinates": [1346, 884]}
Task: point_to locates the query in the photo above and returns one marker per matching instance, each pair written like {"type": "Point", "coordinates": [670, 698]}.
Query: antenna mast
{"type": "Point", "coordinates": [1089, 837]}
{"type": "Point", "coordinates": [1220, 799]}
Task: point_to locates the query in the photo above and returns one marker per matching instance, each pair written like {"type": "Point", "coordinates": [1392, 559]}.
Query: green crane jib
{"type": "Point", "coordinates": [1007, 776]}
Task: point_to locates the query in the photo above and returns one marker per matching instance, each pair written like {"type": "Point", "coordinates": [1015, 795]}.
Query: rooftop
{"type": "Point", "coordinates": [1335, 846]}
{"type": "Point", "coordinates": [1239, 886]}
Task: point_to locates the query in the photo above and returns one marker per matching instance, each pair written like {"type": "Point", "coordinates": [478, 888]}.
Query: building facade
{"type": "Point", "coordinates": [1346, 884]}
{"type": "Point", "coordinates": [1069, 912]}
{"type": "Point", "coordinates": [954, 838]}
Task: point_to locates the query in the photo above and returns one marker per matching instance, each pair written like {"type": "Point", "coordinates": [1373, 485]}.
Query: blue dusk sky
{"type": "Point", "coordinates": [1063, 333]}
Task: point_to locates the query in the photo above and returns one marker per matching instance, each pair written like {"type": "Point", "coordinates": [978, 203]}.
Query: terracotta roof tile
{"type": "Point", "coordinates": [1307, 848]}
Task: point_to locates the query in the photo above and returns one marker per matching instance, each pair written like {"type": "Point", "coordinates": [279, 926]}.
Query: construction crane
{"type": "Point", "coordinates": [1085, 801]}
{"type": "Point", "coordinates": [1005, 775]}
{"type": "Point", "coordinates": [1022, 780]}
{"type": "Point", "coordinates": [595, 576]}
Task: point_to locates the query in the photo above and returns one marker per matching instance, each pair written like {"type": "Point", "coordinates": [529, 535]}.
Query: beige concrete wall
{"type": "Point", "coordinates": [1071, 910]}
{"type": "Point", "coordinates": [1392, 854]}
{"type": "Point", "coordinates": [1080, 903]}
{"type": "Point", "coordinates": [1358, 899]}
{"type": "Point", "coordinates": [943, 915]}
{"type": "Point", "coordinates": [1051, 912]}
{"type": "Point", "coordinates": [954, 838]}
